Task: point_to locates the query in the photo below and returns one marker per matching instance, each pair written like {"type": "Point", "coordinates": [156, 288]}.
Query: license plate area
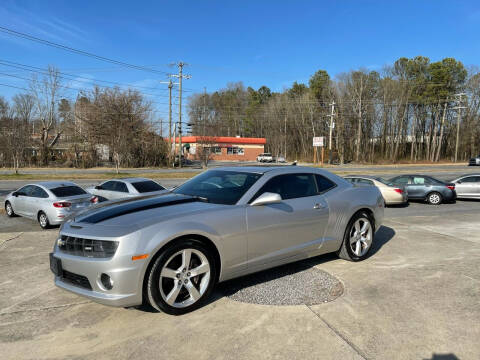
{"type": "Point", "coordinates": [56, 265]}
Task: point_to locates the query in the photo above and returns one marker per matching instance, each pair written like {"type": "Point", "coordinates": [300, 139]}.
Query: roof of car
{"type": "Point", "coordinates": [54, 184]}
{"type": "Point", "coordinates": [252, 169]}
{"type": "Point", "coordinates": [364, 176]}
{"type": "Point", "coordinates": [133, 179]}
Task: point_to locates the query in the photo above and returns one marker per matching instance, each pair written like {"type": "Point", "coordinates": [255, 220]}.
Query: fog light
{"type": "Point", "coordinates": [107, 281]}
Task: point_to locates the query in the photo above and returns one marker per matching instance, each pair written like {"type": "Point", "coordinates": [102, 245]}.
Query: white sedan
{"type": "Point", "coordinates": [126, 187]}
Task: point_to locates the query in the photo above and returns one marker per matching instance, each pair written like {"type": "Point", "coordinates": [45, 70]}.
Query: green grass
{"type": "Point", "coordinates": [97, 176]}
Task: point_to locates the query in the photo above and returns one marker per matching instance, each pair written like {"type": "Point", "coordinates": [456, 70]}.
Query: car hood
{"type": "Point", "coordinates": [135, 213]}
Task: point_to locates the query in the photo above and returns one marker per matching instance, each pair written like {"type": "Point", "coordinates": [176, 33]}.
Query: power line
{"type": "Point", "coordinates": [15, 87]}
{"type": "Point", "coordinates": [77, 51]}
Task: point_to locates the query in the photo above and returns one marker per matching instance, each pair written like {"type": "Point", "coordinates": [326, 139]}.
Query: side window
{"type": "Point", "coordinates": [470, 179]}
{"type": "Point", "coordinates": [109, 185]}
{"type": "Point", "coordinates": [27, 190]}
{"type": "Point", "coordinates": [365, 182]}
{"type": "Point", "coordinates": [290, 186]}
{"type": "Point", "coordinates": [419, 180]}
{"type": "Point", "coordinates": [120, 187]}
{"type": "Point", "coordinates": [402, 180]}
{"type": "Point", "coordinates": [324, 184]}
{"type": "Point", "coordinates": [38, 192]}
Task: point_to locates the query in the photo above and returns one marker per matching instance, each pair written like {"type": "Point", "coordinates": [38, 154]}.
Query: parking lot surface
{"type": "Point", "coordinates": [415, 297]}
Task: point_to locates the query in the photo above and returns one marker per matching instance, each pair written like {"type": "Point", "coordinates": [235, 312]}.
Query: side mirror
{"type": "Point", "coordinates": [15, 194]}
{"type": "Point", "coordinates": [267, 198]}
{"type": "Point", "coordinates": [98, 187]}
{"type": "Point", "coordinates": [459, 181]}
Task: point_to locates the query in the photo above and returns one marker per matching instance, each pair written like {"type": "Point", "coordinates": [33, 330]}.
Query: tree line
{"type": "Point", "coordinates": [413, 110]}
{"type": "Point", "coordinates": [109, 125]}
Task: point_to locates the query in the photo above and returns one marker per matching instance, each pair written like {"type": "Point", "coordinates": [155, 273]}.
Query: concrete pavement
{"type": "Point", "coordinates": [416, 296]}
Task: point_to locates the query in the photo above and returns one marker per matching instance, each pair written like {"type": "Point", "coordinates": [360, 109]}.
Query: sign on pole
{"type": "Point", "coordinates": [318, 141]}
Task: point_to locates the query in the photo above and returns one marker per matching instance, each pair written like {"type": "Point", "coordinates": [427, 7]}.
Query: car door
{"type": "Point", "coordinates": [120, 190]}
{"type": "Point", "coordinates": [35, 201]}
{"type": "Point", "coordinates": [419, 187]}
{"type": "Point", "coordinates": [20, 200]}
{"type": "Point", "coordinates": [291, 228]}
{"type": "Point", "coordinates": [107, 190]}
{"type": "Point", "coordinates": [31, 201]}
{"type": "Point", "coordinates": [467, 187]}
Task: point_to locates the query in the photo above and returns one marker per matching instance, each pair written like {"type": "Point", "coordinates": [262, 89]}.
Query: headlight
{"type": "Point", "coordinates": [87, 247]}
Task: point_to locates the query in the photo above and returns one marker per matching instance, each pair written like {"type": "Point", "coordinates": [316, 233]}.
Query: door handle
{"type": "Point", "coordinates": [318, 206]}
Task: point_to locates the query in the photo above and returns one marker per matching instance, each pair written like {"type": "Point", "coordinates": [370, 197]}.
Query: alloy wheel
{"type": "Point", "coordinates": [184, 278]}
{"type": "Point", "coordinates": [434, 199]}
{"type": "Point", "coordinates": [43, 220]}
{"type": "Point", "coordinates": [9, 209]}
{"type": "Point", "coordinates": [361, 236]}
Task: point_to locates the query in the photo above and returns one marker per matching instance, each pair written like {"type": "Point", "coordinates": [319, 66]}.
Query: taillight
{"type": "Point", "coordinates": [400, 191]}
{"type": "Point", "coordinates": [62, 204]}
{"type": "Point", "coordinates": [94, 199]}
{"type": "Point", "coordinates": [451, 187]}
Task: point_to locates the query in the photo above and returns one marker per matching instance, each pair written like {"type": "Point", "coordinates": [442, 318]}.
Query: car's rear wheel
{"type": "Point", "coordinates": [181, 278]}
{"type": "Point", "coordinates": [358, 238]}
{"type": "Point", "coordinates": [434, 198]}
{"type": "Point", "coordinates": [43, 220]}
{"type": "Point", "coordinates": [9, 209]}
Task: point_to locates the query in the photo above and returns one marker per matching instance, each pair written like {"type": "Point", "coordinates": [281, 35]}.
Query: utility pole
{"type": "Point", "coordinates": [170, 86]}
{"type": "Point", "coordinates": [459, 111]}
{"type": "Point", "coordinates": [332, 124]}
{"type": "Point", "coordinates": [180, 77]}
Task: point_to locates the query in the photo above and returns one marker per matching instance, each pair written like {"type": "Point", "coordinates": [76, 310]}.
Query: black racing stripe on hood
{"type": "Point", "coordinates": [111, 212]}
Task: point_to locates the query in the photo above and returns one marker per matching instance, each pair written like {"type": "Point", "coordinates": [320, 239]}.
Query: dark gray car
{"type": "Point", "coordinates": [426, 188]}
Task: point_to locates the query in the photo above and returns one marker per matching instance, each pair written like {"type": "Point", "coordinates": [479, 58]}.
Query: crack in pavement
{"type": "Point", "coordinates": [339, 334]}
{"type": "Point", "coordinates": [3, 243]}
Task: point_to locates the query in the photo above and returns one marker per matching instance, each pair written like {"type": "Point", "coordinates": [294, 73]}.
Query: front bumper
{"type": "Point", "coordinates": [127, 277]}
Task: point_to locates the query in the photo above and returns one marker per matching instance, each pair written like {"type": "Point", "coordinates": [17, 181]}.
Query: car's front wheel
{"type": "Point", "coordinates": [181, 278]}
{"type": "Point", "coordinates": [9, 209]}
{"type": "Point", "coordinates": [358, 238]}
{"type": "Point", "coordinates": [434, 198]}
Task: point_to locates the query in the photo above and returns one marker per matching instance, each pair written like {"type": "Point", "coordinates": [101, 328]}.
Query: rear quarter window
{"type": "Point", "coordinates": [64, 191]}
{"type": "Point", "coordinates": [147, 186]}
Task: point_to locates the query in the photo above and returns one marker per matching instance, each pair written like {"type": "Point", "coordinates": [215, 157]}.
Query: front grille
{"type": "Point", "coordinates": [87, 247]}
{"type": "Point", "coordinates": [473, 162]}
{"type": "Point", "coordinates": [75, 279]}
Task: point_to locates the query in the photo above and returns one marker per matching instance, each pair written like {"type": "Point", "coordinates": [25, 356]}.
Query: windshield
{"type": "Point", "coordinates": [219, 187]}
{"type": "Point", "coordinates": [64, 191]}
{"type": "Point", "coordinates": [147, 186]}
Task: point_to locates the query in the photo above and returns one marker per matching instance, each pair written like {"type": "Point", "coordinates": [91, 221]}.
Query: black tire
{"type": "Point", "coordinates": [346, 251]}
{"type": "Point", "coordinates": [434, 198]}
{"type": "Point", "coordinates": [153, 294]}
{"type": "Point", "coordinates": [9, 209]}
{"type": "Point", "coordinates": [43, 224]}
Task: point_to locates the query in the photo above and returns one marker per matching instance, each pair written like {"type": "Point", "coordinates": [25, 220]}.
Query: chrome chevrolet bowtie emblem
{"type": "Point", "coordinates": [60, 242]}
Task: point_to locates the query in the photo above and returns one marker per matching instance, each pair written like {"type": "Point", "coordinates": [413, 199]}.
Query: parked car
{"type": "Point", "coordinates": [265, 157]}
{"type": "Point", "coordinates": [280, 159]}
{"type": "Point", "coordinates": [48, 202]}
{"type": "Point", "coordinates": [475, 161]}
{"type": "Point", "coordinates": [467, 186]}
{"type": "Point", "coordinates": [171, 250]}
{"type": "Point", "coordinates": [426, 188]}
{"type": "Point", "coordinates": [393, 195]}
{"type": "Point", "coordinates": [126, 187]}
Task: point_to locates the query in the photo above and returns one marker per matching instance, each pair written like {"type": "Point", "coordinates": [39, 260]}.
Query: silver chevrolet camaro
{"type": "Point", "coordinates": [170, 250]}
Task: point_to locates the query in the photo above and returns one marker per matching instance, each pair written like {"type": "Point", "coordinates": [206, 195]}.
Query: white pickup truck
{"type": "Point", "coordinates": [265, 157]}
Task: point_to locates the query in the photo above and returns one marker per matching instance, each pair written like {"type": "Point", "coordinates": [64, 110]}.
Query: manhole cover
{"type": "Point", "coordinates": [293, 284]}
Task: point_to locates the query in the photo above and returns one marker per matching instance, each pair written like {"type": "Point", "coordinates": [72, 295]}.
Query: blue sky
{"type": "Point", "coordinates": [270, 43]}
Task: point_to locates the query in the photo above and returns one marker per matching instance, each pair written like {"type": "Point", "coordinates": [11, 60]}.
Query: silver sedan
{"type": "Point", "coordinates": [467, 186]}
{"type": "Point", "coordinates": [126, 187]}
{"type": "Point", "coordinates": [170, 250]}
{"type": "Point", "coordinates": [48, 202]}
